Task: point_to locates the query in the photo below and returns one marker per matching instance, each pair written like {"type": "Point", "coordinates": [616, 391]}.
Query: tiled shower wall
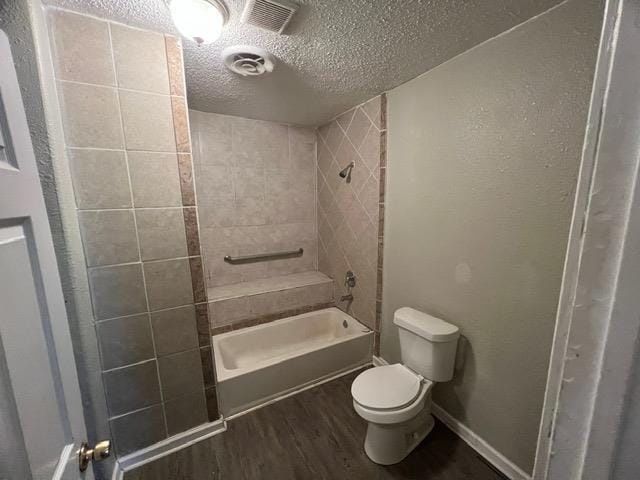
{"type": "Point", "coordinates": [126, 130]}
{"type": "Point", "coordinates": [256, 194]}
{"type": "Point", "coordinates": [351, 215]}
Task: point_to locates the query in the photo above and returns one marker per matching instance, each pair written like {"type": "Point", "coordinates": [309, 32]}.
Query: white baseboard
{"type": "Point", "coordinates": [495, 458]}
{"type": "Point", "coordinates": [472, 439]}
{"type": "Point", "coordinates": [166, 447]}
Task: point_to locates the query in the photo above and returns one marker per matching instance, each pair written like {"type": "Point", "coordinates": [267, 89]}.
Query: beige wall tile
{"type": "Point", "coordinates": [180, 374]}
{"type": "Point", "coordinates": [91, 116]}
{"type": "Point", "coordinates": [154, 179]}
{"type": "Point", "coordinates": [224, 312]}
{"type": "Point", "coordinates": [213, 138]}
{"type": "Point", "coordinates": [168, 283]}
{"type": "Point", "coordinates": [358, 128]}
{"type": "Point", "coordinates": [140, 59]}
{"type": "Point", "coordinates": [148, 121]}
{"type": "Point", "coordinates": [108, 236]}
{"type": "Point", "coordinates": [117, 290]}
{"type": "Point", "coordinates": [161, 233]}
{"type": "Point", "coordinates": [124, 341]}
{"type": "Point", "coordinates": [82, 48]}
{"type": "Point", "coordinates": [174, 330]}
{"type": "Point", "coordinates": [185, 412]}
{"type": "Point", "coordinates": [100, 178]}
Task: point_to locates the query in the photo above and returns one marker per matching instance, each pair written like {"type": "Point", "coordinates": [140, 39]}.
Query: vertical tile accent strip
{"type": "Point", "coordinates": [191, 230]}
{"type": "Point", "coordinates": [197, 280]}
{"type": "Point", "coordinates": [174, 64]}
{"type": "Point", "coordinates": [382, 190]}
{"type": "Point", "coordinates": [202, 324]}
{"type": "Point", "coordinates": [190, 215]}
{"type": "Point", "coordinates": [180, 124]}
{"type": "Point", "coordinates": [185, 168]}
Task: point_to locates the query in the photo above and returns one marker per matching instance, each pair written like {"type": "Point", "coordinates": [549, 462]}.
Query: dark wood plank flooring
{"type": "Point", "coordinates": [313, 435]}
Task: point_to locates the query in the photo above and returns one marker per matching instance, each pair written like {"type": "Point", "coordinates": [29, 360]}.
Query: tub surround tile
{"type": "Point", "coordinates": [82, 48]}
{"type": "Point", "coordinates": [154, 179]}
{"type": "Point", "coordinates": [91, 116]}
{"type": "Point", "coordinates": [272, 284]}
{"type": "Point", "coordinates": [132, 388]}
{"type": "Point", "coordinates": [185, 169]}
{"type": "Point", "coordinates": [168, 283]}
{"type": "Point", "coordinates": [202, 324]}
{"type": "Point", "coordinates": [117, 291]}
{"type": "Point", "coordinates": [180, 373]}
{"type": "Point", "coordinates": [125, 340]}
{"type": "Point", "coordinates": [147, 121]}
{"type": "Point", "coordinates": [108, 236]}
{"type": "Point", "coordinates": [140, 59]}
{"type": "Point", "coordinates": [185, 412]}
{"type": "Point", "coordinates": [181, 124]}
{"type": "Point", "coordinates": [161, 232]}
{"type": "Point", "coordinates": [174, 330]}
{"type": "Point", "coordinates": [138, 430]}
{"type": "Point", "coordinates": [225, 312]}
{"type": "Point", "coordinates": [174, 64]}
{"type": "Point", "coordinates": [351, 216]}
{"type": "Point", "coordinates": [99, 178]}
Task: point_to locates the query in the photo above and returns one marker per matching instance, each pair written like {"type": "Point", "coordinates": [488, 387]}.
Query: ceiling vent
{"type": "Point", "coordinates": [248, 61]}
{"type": "Point", "coordinates": [271, 15]}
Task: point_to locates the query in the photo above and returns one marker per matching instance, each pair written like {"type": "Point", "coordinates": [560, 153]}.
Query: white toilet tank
{"type": "Point", "coordinates": [427, 344]}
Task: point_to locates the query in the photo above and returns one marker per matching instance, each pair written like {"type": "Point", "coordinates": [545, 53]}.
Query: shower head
{"type": "Point", "coordinates": [346, 172]}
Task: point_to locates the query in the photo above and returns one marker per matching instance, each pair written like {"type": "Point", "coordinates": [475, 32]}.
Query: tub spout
{"type": "Point", "coordinates": [347, 298]}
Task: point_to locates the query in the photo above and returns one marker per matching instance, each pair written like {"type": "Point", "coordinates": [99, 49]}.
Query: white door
{"type": "Point", "coordinates": [41, 421]}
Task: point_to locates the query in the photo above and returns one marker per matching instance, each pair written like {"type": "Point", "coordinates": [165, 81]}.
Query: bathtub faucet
{"type": "Point", "coordinates": [347, 298]}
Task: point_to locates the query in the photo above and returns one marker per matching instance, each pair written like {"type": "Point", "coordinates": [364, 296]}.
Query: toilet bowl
{"type": "Point", "coordinates": [397, 404]}
{"type": "Point", "coordinates": [396, 399]}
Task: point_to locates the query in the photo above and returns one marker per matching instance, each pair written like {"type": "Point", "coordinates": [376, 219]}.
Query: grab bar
{"type": "Point", "coordinates": [261, 257]}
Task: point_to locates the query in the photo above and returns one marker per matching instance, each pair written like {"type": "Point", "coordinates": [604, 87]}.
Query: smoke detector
{"type": "Point", "coordinates": [271, 15]}
{"type": "Point", "coordinates": [248, 61]}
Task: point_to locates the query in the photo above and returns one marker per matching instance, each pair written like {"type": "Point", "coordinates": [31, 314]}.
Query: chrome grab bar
{"type": "Point", "coordinates": [261, 257]}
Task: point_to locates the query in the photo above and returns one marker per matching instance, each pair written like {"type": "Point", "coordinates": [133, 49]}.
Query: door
{"type": "Point", "coordinates": [41, 424]}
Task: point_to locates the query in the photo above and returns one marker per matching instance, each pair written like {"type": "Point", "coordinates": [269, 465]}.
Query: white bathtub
{"type": "Point", "coordinates": [257, 364]}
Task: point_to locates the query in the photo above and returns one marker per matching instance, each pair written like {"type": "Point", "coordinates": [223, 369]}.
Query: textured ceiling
{"type": "Point", "coordinates": [336, 54]}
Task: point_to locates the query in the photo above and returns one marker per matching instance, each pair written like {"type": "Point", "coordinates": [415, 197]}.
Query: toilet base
{"type": "Point", "coordinates": [389, 444]}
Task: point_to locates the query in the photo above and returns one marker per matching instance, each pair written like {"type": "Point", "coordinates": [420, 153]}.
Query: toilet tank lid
{"type": "Point", "coordinates": [425, 325]}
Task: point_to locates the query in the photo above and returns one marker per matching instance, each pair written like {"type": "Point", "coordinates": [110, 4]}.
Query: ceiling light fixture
{"type": "Point", "coordinates": [199, 20]}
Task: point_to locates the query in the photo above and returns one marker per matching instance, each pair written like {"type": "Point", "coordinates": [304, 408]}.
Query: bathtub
{"type": "Point", "coordinates": [257, 364]}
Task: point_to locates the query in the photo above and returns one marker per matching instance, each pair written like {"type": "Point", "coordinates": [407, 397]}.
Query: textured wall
{"type": "Point", "coordinates": [126, 135]}
{"type": "Point", "coordinates": [351, 214]}
{"type": "Point", "coordinates": [482, 163]}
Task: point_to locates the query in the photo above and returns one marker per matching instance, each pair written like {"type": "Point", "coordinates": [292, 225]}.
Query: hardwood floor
{"type": "Point", "coordinates": [313, 435]}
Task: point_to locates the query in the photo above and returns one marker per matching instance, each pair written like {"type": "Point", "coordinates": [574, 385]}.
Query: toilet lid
{"type": "Point", "coordinates": [390, 386]}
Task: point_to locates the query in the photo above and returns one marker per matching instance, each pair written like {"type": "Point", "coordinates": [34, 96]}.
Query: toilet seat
{"type": "Point", "coordinates": [389, 387]}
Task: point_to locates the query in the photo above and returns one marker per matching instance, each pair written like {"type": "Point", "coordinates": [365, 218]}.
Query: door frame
{"type": "Point", "coordinates": [598, 325]}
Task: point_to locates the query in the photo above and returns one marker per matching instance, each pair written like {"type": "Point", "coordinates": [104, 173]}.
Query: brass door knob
{"type": "Point", "coordinates": [101, 451]}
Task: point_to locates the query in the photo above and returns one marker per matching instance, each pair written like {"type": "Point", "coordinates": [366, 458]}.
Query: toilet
{"type": "Point", "coordinates": [396, 399]}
